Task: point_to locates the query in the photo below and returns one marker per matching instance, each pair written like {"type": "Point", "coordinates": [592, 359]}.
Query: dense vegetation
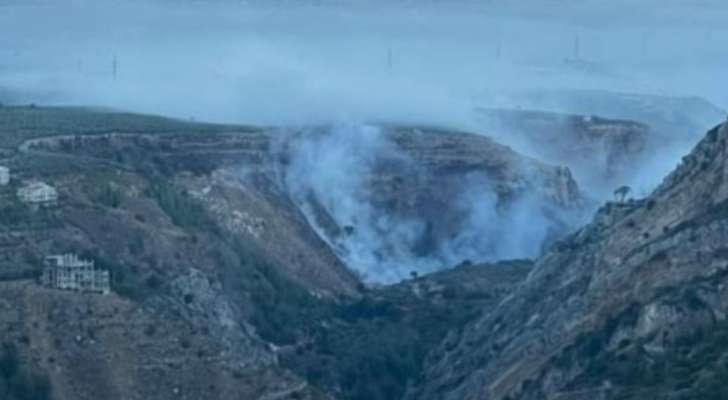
{"type": "Point", "coordinates": [372, 348]}
{"type": "Point", "coordinates": [13, 212]}
{"type": "Point", "coordinates": [17, 380]}
{"type": "Point", "coordinates": [184, 212]}
{"type": "Point", "coordinates": [18, 262]}
{"type": "Point", "coordinates": [284, 311]}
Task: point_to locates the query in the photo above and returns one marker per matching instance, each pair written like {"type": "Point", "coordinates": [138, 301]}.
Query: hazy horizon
{"type": "Point", "coordinates": [300, 62]}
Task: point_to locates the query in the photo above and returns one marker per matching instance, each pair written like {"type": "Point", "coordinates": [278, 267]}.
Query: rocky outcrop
{"type": "Point", "coordinates": [636, 293]}
{"type": "Point", "coordinates": [453, 155]}
{"type": "Point", "coordinates": [249, 205]}
{"type": "Point", "coordinates": [601, 151]}
{"type": "Point", "coordinates": [453, 165]}
{"type": "Point", "coordinates": [407, 198]}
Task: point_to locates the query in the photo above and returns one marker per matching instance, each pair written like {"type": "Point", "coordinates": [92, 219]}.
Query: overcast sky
{"type": "Point", "coordinates": [292, 61]}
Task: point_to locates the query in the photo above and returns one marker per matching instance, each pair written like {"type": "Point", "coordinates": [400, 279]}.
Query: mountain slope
{"type": "Point", "coordinates": [385, 200]}
{"type": "Point", "coordinates": [217, 276]}
{"type": "Point", "coordinates": [629, 305]}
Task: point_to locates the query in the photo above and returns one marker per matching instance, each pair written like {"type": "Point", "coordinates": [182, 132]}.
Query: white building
{"type": "Point", "coordinates": [4, 175]}
{"type": "Point", "coordinates": [68, 272]}
{"type": "Point", "coordinates": [38, 193]}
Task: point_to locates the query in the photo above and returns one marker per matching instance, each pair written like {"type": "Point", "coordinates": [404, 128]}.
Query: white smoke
{"type": "Point", "coordinates": [332, 169]}
{"type": "Point", "coordinates": [329, 174]}
{"type": "Point", "coordinates": [490, 233]}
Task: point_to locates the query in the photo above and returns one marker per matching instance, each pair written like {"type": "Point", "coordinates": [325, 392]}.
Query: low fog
{"type": "Point", "coordinates": [355, 64]}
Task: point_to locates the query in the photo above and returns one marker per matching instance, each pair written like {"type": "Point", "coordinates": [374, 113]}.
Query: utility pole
{"type": "Point", "coordinates": [390, 61]}
{"type": "Point", "coordinates": [498, 41]}
{"type": "Point", "coordinates": [498, 46]}
{"type": "Point", "coordinates": [114, 68]}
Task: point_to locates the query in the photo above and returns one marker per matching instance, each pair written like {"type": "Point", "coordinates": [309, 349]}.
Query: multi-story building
{"type": "Point", "coordinates": [69, 272]}
{"type": "Point", "coordinates": [37, 192]}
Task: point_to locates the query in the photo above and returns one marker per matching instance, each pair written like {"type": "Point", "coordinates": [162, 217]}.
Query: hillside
{"type": "Point", "coordinates": [412, 204]}
{"type": "Point", "coordinates": [630, 306]}
{"type": "Point", "coordinates": [221, 287]}
{"type": "Point", "coordinates": [224, 287]}
{"type": "Point", "coordinates": [190, 303]}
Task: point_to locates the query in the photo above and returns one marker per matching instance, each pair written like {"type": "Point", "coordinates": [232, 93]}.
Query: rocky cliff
{"type": "Point", "coordinates": [451, 154]}
{"type": "Point", "coordinates": [602, 152]}
{"type": "Point", "coordinates": [632, 305]}
{"type": "Point", "coordinates": [671, 118]}
{"type": "Point", "coordinates": [394, 199]}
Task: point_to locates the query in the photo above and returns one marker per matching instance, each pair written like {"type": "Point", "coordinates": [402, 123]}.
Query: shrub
{"type": "Point", "coordinates": [9, 360]}
{"type": "Point", "coordinates": [18, 382]}
{"type": "Point", "coordinates": [150, 330]}
{"type": "Point", "coordinates": [14, 213]}
{"type": "Point", "coordinates": [107, 196]}
{"type": "Point", "coordinates": [153, 282]}
{"type": "Point", "coordinates": [125, 280]}
{"type": "Point", "coordinates": [184, 211]}
{"type": "Point", "coordinates": [136, 243]}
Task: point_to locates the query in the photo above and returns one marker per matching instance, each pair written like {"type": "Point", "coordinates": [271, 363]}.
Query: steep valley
{"type": "Point", "coordinates": [363, 200]}
{"type": "Point", "coordinates": [234, 276]}
{"type": "Point", "coordinates": [221, 285]}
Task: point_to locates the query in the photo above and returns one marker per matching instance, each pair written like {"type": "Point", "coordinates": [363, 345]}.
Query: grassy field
{"type": "Point", "coordinates": [19, 123]}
